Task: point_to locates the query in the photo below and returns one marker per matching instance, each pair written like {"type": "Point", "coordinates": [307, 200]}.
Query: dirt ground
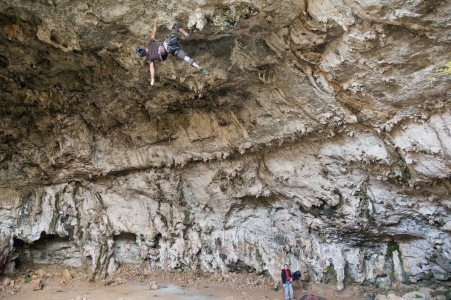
{"type": "Point", "coordinates": [130, 283]}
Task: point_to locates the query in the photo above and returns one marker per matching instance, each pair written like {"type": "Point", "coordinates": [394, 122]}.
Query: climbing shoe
{"type": "Point", "coordinates": [203, 70]}
{"type": "Point", "coordinates": [188, 34]}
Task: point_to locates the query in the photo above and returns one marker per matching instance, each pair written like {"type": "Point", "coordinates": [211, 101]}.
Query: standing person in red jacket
{"type": "Point", "coordinates": [287, 283]}
{"type": "Point", "coordinates": [160, 50]}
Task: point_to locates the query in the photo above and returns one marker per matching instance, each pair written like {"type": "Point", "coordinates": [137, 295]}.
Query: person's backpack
{"type": "Point", "coordinates": [296, 275]}
{"type": "Point", "coordinates": [311, 297]}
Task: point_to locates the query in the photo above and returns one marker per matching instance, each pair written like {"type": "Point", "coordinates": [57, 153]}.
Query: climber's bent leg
{"type": "Point", "coordinates": [182, 55]}
{"type": "Point", "coordinates": [176, 28]}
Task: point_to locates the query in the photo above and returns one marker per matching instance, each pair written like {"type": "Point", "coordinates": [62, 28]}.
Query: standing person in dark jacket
{"type": "Point", "coordinates": [287, 283]}
{"type": "Point", "coordinates": [160, 50]}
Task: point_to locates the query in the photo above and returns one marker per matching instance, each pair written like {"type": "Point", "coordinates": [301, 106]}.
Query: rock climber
{"type": "Point", "coordinates": [160, 51]}
{"type": "Point", "coordinates": [287, 281]}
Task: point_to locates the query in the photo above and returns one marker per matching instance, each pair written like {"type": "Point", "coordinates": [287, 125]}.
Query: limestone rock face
{"type": "Point", "coordinates": [36, 285]}
{"type": "Point", "coordinates": [321, 137]}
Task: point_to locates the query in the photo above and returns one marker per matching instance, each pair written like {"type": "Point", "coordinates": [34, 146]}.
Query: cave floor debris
{"type": "Point", "coordinates": [130, 283]}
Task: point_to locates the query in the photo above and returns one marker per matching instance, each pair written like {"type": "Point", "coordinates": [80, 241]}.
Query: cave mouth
{"type": "Point", "coordinates": [19, 247]}
{"type": "Point", "coordinates": [238, 267]}
{"type": "Point", "coordinates": [49, 249]}
{"type": "Point", "coordinates": [126, 249]}
{"type": "Point", "coordinates": [158, 239]}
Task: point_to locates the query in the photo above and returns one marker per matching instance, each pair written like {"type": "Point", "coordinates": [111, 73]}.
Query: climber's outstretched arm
{"type": "Point", "coordinates": [154, 28]}
{"type": "Point", "coordinates": [152, 73]}
{"type": "Point", "coordinates": [183, 31]}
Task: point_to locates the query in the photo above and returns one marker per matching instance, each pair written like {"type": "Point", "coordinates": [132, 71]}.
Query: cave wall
{"type": "Point", "coordinates": [321, 136]}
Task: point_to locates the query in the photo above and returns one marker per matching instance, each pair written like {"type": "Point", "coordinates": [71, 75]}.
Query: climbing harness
{"type": "Point", "coordinates": [161, 50]}
{"type": "Point", "coordinates": [172, 44]}
{"type": "Point", "coordinates": [162, 53]}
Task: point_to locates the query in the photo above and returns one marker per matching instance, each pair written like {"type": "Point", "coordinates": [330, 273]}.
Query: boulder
{"type": "Point", "coordinates": [67, 275]}
{"type": "Point", "coordinates": [393, 297]}
{"type": "Point", "coordinates": [41, 273]}
{"type": "Point", "coordinates": [153, 285]}
{"type": "Point", "coordinates": [421, 294]}
{"type": "Point", "coordinates": [8, 269]}
{"type": "Point", "coordinates": [6, 282]}
{"type": "Point", "coordinates": [36, 285]}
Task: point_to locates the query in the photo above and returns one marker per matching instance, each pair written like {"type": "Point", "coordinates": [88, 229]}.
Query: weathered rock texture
{"type": "Point", "coordinates": [320, 138]}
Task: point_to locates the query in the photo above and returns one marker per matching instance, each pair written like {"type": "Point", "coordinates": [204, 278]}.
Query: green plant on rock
{"type": "Point", "coordinates": [431, 79]}
{"type": "Point", "coordinates": [27, 278]}
{"type": "Point", "coordinates": [55, 214]}
{"type": "Point", "coordinates": [365, 203]}
{"type": "Point", "coordinates": [163, 219]}
{"type": "Point", "coordinates": [240, 178]}
{"type": "Point", "coordinates": [76, 187]}
{"type": "Point", "coordinates": [222, 174]}
{"type": "Point", "coordinates": [445, 70]}
{"type": "Point", "coordinates": [100, 199]}
{"type": "Point", "coordinates": [446, 293]}
{"type": "Point", "coordinates": [406, 173]}
{"type": "Point", "coordinates": [181, 267]}
{"type": "Point", "coordinates": [391, 248]}
{"type": "Point", "coordinates": [186, 219]}
{"type": "Point", "coordinates": [258, 256]}
{"type": "Point", "coordinates": [330, 275]}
